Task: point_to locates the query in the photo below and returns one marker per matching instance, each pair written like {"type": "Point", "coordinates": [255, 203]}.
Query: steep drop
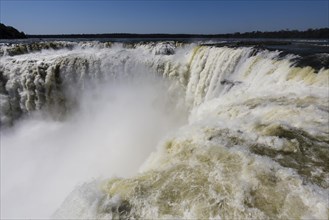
{"type": "Point", "coordinates": [255, 146]}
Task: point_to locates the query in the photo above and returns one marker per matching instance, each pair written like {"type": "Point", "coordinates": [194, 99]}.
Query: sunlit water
{"type": "Point", "coordinates": [161, 130]}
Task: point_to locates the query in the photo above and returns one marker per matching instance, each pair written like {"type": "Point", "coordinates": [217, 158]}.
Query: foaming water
{"type": "Point", "coordinates": [115, 128]}
{"type": "Point", "coordinates": [161, 130]}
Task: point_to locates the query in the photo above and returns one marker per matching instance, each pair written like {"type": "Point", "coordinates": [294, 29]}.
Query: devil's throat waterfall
{"type": "Point", "coordinates": [149, 130]}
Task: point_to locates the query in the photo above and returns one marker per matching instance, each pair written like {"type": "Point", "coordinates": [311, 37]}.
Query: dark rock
{"type": "Point", "coordinates": [8, 32]}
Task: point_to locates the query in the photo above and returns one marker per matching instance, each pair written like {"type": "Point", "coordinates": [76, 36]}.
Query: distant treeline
{"type": "Point", "coordinates": [8, 32]}
{"type": "Point", "coordinates": [322, 33]}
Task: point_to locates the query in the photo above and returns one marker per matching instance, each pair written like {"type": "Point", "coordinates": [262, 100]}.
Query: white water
{"type": "Point", "coordinates": [254, 145]}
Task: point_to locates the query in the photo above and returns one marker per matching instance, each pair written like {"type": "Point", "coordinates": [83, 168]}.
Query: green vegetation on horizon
{"type": "Point", "coordinates": [8, 32]}
{"type": "Point", "coordinates": [322, 33]}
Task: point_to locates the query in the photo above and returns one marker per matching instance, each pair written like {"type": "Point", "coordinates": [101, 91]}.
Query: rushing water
{"type": "Point", "coordinates": [162, 130]}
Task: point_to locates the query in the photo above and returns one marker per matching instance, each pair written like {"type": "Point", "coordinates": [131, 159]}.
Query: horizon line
{"type": "Point", "coordinates": [200, 34]}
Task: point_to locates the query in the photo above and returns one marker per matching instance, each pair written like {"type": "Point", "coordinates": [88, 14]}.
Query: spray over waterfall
{"type": "Point", "coordinates": [166, 130]}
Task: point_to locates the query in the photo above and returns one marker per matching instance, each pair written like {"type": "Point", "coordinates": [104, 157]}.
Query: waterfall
{"type": "Point", "coordinates": [247, 135]}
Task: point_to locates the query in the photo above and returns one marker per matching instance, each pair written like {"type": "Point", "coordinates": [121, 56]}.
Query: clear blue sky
{"type": "Point", "coordinates": [171, 16]}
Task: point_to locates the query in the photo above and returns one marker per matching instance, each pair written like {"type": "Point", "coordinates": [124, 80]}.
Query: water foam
{"type": "Point", "coordinates": [255, 145]}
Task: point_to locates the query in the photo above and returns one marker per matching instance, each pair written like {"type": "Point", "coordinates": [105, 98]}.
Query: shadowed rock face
{"type": "Point", "coordinates": [8, 32]}
{"type": "Point", "coordinates": [317, 61]}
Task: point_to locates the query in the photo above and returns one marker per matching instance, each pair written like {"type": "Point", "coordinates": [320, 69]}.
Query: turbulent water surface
{"type": "Point", "coordinates": [162, 130]}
